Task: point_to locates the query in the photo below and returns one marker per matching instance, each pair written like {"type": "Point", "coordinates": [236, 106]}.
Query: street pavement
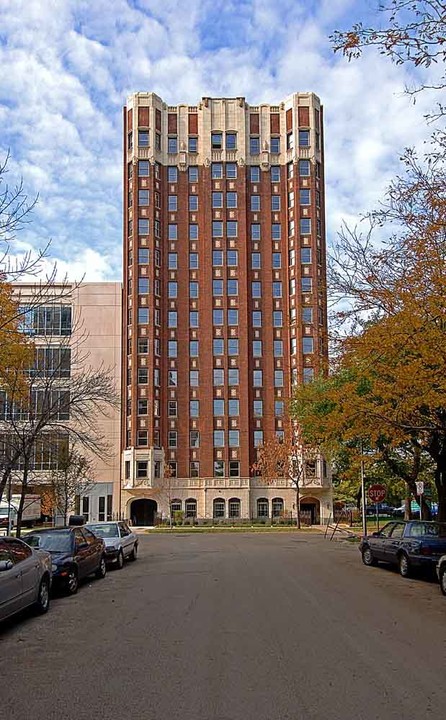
{"type": "Point", "coordinates": [232, 627]}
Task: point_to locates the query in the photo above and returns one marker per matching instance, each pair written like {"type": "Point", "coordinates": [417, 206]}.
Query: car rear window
{"type": "Point", "coordinates": [428, 529]}
{"type": "Point", "coordinates": [105, 531]}
{"type": "Point", "coordinates": [51, 541]}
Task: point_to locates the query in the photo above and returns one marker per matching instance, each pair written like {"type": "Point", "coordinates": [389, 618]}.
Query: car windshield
{"type": "Point", "coordinates": [105, 530]}
{"type": "Point", "coordinates": [51, 541]}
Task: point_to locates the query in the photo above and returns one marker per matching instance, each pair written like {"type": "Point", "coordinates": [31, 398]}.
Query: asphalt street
{"type": "Point", "coordinates": [232, 627]}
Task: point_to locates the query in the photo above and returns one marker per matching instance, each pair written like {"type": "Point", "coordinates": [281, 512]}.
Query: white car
{"type": "Point", "coordinates": [120, 542]}
{"type": "Point", "coordinates": [25, 577]}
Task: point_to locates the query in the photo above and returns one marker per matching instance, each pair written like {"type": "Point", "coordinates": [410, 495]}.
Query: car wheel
{"type": "Point", "coordinates": [43, 597]}
{"type": "Point", "coordinates": [404, 565]}
{"type": "Point", "coordinates": [72, 582]}
{"type": "Point", "coordinates": [443, 580]}
{"type": "Point", "coordinates": [120, 560]}
{"type": "Point", "coordinates": [367, 557]}
{"type": "Point", "coordinates": [134, 554]}
{"type": "Point", "coordinates": [101, 572]}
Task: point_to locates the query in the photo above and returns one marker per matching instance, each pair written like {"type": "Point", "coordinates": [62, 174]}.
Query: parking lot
{"type": "Point", "coordinates": [229, 627]}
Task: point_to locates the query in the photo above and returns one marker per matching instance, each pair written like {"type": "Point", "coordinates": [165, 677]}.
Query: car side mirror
{"type": "Point", "coordinates": [376, 534]}
{"type": "Point", "coordinates": [6, 565]}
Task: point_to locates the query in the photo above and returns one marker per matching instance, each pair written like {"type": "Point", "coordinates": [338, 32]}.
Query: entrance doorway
{"type": "Point", "coordinates": [310, 511]}
{"type": "Point", "coordinates": [143, 512]}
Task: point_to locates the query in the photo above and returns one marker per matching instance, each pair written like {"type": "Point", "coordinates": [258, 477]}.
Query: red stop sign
{"type": "Point", "coordinates": [377, 493]}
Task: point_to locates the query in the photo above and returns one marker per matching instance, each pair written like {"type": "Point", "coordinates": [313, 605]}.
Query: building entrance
{"type": "Point", "coordinates": [310, 511]}
{"type": "Point", "coordinates": [143, 512]}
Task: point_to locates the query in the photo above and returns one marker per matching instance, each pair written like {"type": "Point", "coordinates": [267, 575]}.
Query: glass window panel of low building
{"type": "Point", "coordinates": [218, 346]}
{"type": "Point", "coordinates": [234, 503]}
{"type": "Point", "coordinates": [255, 203]}
{"type": "Point", "coordinates": [194, 378]}
{"type": "Point", "coordinates": [218, 317]}
{"type": "Point", "coordinates": [218, 508]}
{"type": "Point", "coordinates": [217, 288]}
{"type": "Point", "coordinates": [193, 203]}
{"type": "Point", "coordinates": [262, 507]}
{"type": "Point", "coordinates": [275, 173]}
{"type": "Point", "coordinates": [232, 317]}
{"type": "Point", "coordinates": [172, 348]}
{"type": "Point", "coordinates": [219, 376]}
{"type": "Point", "coordinates": [258, 408]}
{"type": "Point", "coordinates": [254, 173]}
{"type": "Point", "coordinates": [254, 145]}
{"type": "Point", "coordinates": [278, 378]}
{"type": "Point", "coordinates": [192, 144]}
{"type": "Point", "coordinates": [143, 168]}
{"type": "Point", "coordinates": [219, 408]}
{"type": "Point", "coordinates": [219, 468]}
{"type": "Point", "coordinates": [219, 438]}
{"type": "Point", "coordinates": [233, 438]}
{"type": "Point", "coordinates": [193, 174]}
{"type": "Point", "coordinates": [172, 174]}
{"type": "Point", "coordinates": [193, 319]}
{"type": "Point", "coordinates": [255, 231]}
{"type": "Point", "coordinates": [257, 348]}
{"type": "Point", "coordinates": [277, 318]}
{"type": "Point", "coordinates": [190, 508]}
{"type": "Point", "coordinates": [233, 407]}
{"type": "Point", "coordinates": [194, 408]}
{"type": "Point", "coordinates": [232, 258]}
{"type": "Point", "coordinates": [193, 348]}
{"type": "Point", "coordinates": [233, 376]}
{"type": "Point", "coordinates": [193, 261]}
{"type": "Point", "coordinates": [275, 203]}
{"type": "Point", "coordinates": [307, 345]}
{"type": "Point", "coordinates": [306, 284]}
{"type": "Point", "coordinates": [231, 141]}
{"type": "Point", "coordinates": [217, 228]}
{"type": "Point", "coordinates": [232, 287]}
{"type": "Point", "coordinates": [194, 438]}
{"type": "Point", "coordinates": [143, 316]}
{"type": "Point", "coordinates": [217, 200]}
{"type": "Point", "coordinates": [193, 232]}
{"type": "Point", "coordinates": [231, 200]}
{"type": "Point", "coordinates": [217, 171]}
{"type": "Point", "coordinates": [257, 318]}
{"type": "Point", "coordinates": [193, 289]}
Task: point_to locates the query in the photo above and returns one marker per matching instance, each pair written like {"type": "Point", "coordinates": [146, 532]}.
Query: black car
{"type": "Point", "coordinates": [75, 551]}
{"type": "Point", "coordinates": [409, 545]}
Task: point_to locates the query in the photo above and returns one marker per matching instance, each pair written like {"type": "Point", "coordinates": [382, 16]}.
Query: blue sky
{"type": "Point", "coordinates": [67, 67]}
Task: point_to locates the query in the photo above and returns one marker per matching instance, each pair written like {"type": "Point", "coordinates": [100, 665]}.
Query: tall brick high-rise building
{"type": "Point", "coordinates": [224, 305]}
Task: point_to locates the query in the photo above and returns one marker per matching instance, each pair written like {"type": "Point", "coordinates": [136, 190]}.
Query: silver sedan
{"type": "Point", "coordinates": [25, 577]}
{"type": "Point", "coordinates": [120, 542]}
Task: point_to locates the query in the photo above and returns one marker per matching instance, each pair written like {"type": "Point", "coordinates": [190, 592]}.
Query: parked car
{"type": "Point", "coordinates": [75, 551]}
{"type": "Point", "coordinates": [25, 577]}
{"type": "Point", "coordinates": [409, 545]}
{"type": "Point", "coordinates": [120, 542]}
{"type": "Point", "coordinates": [382, 508]}
{"type": "Point", "coordinates": [441, 573]}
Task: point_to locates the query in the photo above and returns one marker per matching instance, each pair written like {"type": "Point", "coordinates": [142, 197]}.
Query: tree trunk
{"type": "Point", "coordinates": [440, 482]}
{"type": "Point", "coordinates": [22, 497]}
{"type": "Point", "coordinates": [298, 505]}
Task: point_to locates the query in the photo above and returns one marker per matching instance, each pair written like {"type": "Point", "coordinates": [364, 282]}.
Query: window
{"type": "Point", "coordinates": [290, 141]}
{"type": "Point", "coordinates": [233, 377]}
{"type": "Point", "coordinates": [275, 145]}
{"type": "Point", "coordinates": [172, 203]}
{"type": "Point", "coordinates": [172, 408]}
{"type": "Point", "coordinates": [172, 319]}
{"type": "Point", "coordinates": [277, 289]}
{"type": "Point", "coordinates": [172, 261]}
{"type": "Point", "coordinates": [217, 258]}
{"type": "Point", "coordinates": [308, 375]}
{"type": "Point", "coordinates": [232, 258]}
{"type": "Point", "coordinates": [141, 468]}
{"type": "Point", "coordinates": [172, 349]}
{"type": "Point", "coordinates": [219, 408]}
{"type": "Point", "coordinates": [305, 226]}
{"type": "Point", "coordinates": [257, 348]}
{"type": "Point", "coordinates": [218, 346]}
{"type": "Point", "coordinates": [233, 407]}
{"type": "Point", "coordinates": [277, 318]}
{"type": "Point", "coordinates": [143, 346]}
{"type": "Point", "coordinates": [172, 378]}
{"type": "Point", "coordinates": [218, 508]}
{"type": "Point", "coordinates": [231, 228]}
{"type": "Point", "coordinates": [307, 315]}
{"type": "Point", "coordinates": [279, 407]}
{"type": "Point", "coordinates": [232, 346]}
{"type": "Point", "coordinates": [257, 378]}
{"type": "Point", "coordinates": [233, 438]}
{"type": "Point", "coordinates": [172, 438]}
{"type": "Point", "coordinates": [192, 144]}
{"type": "Point", "coordinates": [255, 231]}
{"type": "Point", "coordinates": [277, 260]}
{"type": "Point", "coordinates": [219, 438]}
{"type": "Point", "coordinates": [143, 138]}
{"type": "Point", "coordinates": [194, 469]}
{"type": "Point", "coordinates": [194, 439]}
{"type": "Point", "coordinates": [193, 289]}
{"type": "Point", "coordinates": [307, 284]}
{"type": "Point", "coordinates": [256, 261]}
{"type": "Point", "coordinates": [256, 289]}
{"type": "Point", "coordinates": [278, 348]}
{"type": "Point", "coordinates": [194, 408]}
{"type": "Point", "coordinates": [172, 231]}
{"type": "Point", "coordinates": [217, 228]}
{"type": "Point", "coordinates": [143, 376]}
{"type": "Point", "coordinates": [305, 255]}
{"type": "Point", "coordinates": [231, 199]}
{"type": "Point", "coordinates": [172, 289]}
{"type": "Point", "coordinates": [293, 345]}
{"type": "Point", "coordinates": [304, 168]}
{"type": "Point", "coordinates": [194, 378]}
{"type": "Point", "coordinates": [172, 174]}
{"type": "Point", "coordinates": [156, 378]}
{"type": "Point", "coordinates": [193, 348]}
{"type": "Point", "coordinates": [193, 319]}
{"type": "Point", "coordinates": [307, 345]}
{"type": "Point", "coordinates": [193, 174]}
{"type": "Point", "coordinates": [234, 503]}
{"type": "Point", "coordinates": [232, 287]}
{"type": "Point", "coordinates": [217, 171]}
{"type": "Point", "coordinates": [258, 408]}
{"type": "Point", "coordinates": [275, 231]}
{"type": "Point", "coordinates": [254, 145]}
{"type": "Point", "coordinates": [255, 173]}
{"type": "Point", "coordinates": [217, 200]}
{"type": "Point", "coordinates": [257, 318]}
{"type": "Point", "coordinates": [216, 140]}
{"type": "Point", "coordinates": [219, 376]}
{"type": "Point", "coordinates": [217, 288]}
{"type": "Point", "coordinates": [143, 197]}
{"type": "Point", "coordinates": [219, 468]}
{"type": "Point", "coordinates": [190, 508]}
{"type": "Point", "coordinates": [143, 226]}
{"type": "Point", "coordinates": [172, 144]}
{"type": "Point", "coordinates": [275, 203]}
{"type": "Point", "coordinates": [142, 438]}
{"type": "Point", "coordinates": [193, 232]}
{"type": "Point", "coordinates": [277, 507]}
{"type": "Point", "coordinates": [275, 173]}
{"type": "Point", "coordinates": [304, 197]}
{"type": "Point", "coordinates": [193, 261]}
{"type": "Point", "coordinates": [143, 316]}
{"type": "Point", "coordinates": [255, 203]}
{"type": "Point", "coordinates": [142, 407]}
{"type": "Point", "coordinates": [231, 141]}
{"type": "Point", "coordinates": [217, 317]}
{"type": "Point", "coordinates": [232, 317]}
{"type": "Point", "coordinates": [258, 438]}
{"type": "Point", "coordinates": [304, 138]}
{"type": "Point", "coordinates": [231, 171]}
{"type": "Point", "coordinates": [143, 168]}
{"type": "Point", "coordinates": [193, 203]}
{"type": "Point", "coordinates": [278, 378]}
